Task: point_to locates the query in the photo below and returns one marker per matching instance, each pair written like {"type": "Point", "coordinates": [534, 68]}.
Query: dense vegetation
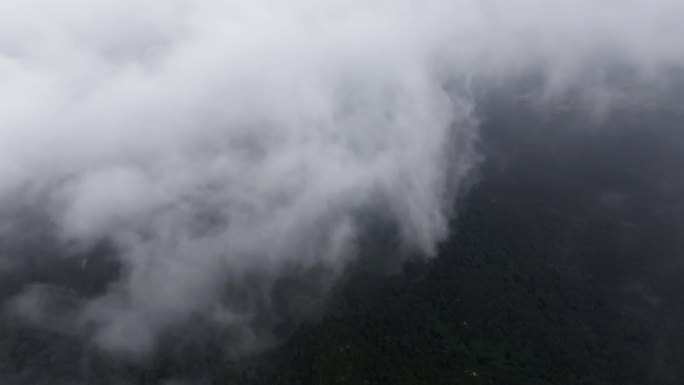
{"type": "Point", "coordinates": [564, 267]}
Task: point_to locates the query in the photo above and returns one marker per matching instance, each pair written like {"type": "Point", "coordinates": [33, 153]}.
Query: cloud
{"type": "Point", "coordinates": [217, 141]}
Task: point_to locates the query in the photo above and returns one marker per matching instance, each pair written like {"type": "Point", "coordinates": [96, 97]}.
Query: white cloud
{"type": "Point", "coordinates": [210, 139]}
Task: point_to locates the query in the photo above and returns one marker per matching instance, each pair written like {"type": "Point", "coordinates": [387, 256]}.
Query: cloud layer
{"type": "Point", "coordinates": [212, 142]}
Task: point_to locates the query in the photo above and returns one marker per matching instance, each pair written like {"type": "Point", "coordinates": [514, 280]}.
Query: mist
{"type": "Point", "coordinates": [220, 146]}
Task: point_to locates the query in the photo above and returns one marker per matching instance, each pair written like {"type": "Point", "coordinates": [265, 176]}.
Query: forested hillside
{"type": "Point", "coordinates": [564, 266]}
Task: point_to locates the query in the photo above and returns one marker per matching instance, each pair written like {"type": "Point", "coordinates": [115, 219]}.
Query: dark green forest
{"type": "Point", "coordinates": [564, 266]}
